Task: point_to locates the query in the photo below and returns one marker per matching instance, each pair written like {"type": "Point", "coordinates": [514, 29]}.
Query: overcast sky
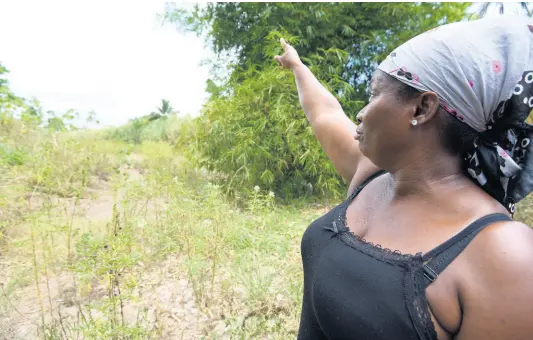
{"type": "Point", "coordinates": [109, 56]}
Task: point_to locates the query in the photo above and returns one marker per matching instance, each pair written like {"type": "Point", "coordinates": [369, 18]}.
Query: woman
{"type": "Point", "coordinates": [440, 156]}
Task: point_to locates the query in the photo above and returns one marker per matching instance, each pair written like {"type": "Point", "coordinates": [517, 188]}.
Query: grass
{"type": "Point", "coordinates": [72, 272]}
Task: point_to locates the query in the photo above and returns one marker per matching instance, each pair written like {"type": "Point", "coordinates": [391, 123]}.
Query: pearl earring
{"type": "Point", "coordinates": [414, 122]}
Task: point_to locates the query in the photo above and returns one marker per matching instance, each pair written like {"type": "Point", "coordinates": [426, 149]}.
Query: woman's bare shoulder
{"type": "Point", "coordinates": [507, 240]}
{"type": "Point", "coordinates": [502, 252]}
{"type": "Point", "coordinates": [501, 273]}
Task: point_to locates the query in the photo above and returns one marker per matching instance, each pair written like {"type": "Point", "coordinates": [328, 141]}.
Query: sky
{"type": "Point", "coordinates": [113, 57]}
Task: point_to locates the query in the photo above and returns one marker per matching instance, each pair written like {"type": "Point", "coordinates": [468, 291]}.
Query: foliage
{"type": "Point", "coordinates": [160, 125]}
{"type": "Point", "coordinates": [162, 111]}
{"type": "Point", "coordinates": [252, 129]}
{"type": "Point", "coordinates": [270, 143]}
{"type": "Point", "coordinates": [14, 106]}
{"type": "Point", "coordinates": [93, 280]}
{"type": "Point", "coordinates": [130, 132]}
{"type": "Point", "coordinates": [29, 112]}
{"type": "Point", "coordinates": [29, 141]}
{"type": "Point", "coordinates": [165, 128]}
{"type": "Point", "coordinates": [366, 31]}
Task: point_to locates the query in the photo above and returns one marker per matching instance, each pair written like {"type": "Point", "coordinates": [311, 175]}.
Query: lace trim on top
{"type": "Point", "coordinates": [369, 248]}
{"type": "Point", "coordinates": [417, 303]}
{"type": "Point", "coordinates": [376, 250]}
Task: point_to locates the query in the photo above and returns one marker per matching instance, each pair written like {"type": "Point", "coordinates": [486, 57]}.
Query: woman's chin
{"type": "Point", "coordinates": [362, 147]}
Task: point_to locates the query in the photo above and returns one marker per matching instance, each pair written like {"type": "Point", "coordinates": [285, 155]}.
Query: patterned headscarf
{"type": "Point", "coordinates": [482, 72]}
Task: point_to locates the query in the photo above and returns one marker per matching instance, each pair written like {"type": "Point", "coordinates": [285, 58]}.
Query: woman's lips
{"type": "Point", "coordinates": [358, 134]}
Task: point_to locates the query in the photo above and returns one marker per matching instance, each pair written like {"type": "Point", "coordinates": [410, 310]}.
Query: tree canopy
{"type": "Point", "coordinates": [252, 128]}
{"type": "Point", "coordinates": [163, 111]}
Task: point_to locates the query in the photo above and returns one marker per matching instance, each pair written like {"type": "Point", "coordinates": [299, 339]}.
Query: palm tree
{"type": "Point", "coordinates": [163, 111]}
{"type": "Point", "coordinates": [501, 6]}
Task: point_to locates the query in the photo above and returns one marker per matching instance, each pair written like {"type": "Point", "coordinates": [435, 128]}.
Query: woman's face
{"type": "Point", "coordinates": [385, 123]}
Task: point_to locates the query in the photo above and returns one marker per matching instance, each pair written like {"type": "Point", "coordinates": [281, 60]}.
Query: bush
{"type": "Point", "coordinates": [258, 135]}
{"type": "Point", "coordinates": [165, 128]}
{"type": "Point", "coordinates": [128, 133]}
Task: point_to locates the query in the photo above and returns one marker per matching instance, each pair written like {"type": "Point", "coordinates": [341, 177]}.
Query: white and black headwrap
{"type": "Point", "coordinates": [482, 72]}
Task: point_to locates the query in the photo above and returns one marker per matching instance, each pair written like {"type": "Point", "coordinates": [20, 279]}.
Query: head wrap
{"type": "Point", "coordinates": [482, 71]}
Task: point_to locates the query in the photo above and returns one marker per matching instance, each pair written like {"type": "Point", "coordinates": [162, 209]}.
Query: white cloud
{"type": "Point", "coordinates": [113, 57]}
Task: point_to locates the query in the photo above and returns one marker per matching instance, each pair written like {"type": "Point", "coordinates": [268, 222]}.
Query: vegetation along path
{"type": "Point", "coordinates": [145, 247]}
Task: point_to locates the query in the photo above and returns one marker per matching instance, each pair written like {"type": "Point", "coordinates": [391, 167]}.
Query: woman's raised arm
{"type": "Point", "coordinates": [334, 130]}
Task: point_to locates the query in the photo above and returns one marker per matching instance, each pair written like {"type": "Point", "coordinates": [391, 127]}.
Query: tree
{"type": "Point", "coordinates": [252, 128]}
{"type": "Point", "coordinates": [163, 111]}
{"type": "Point", "coordinates": [7, 99]}
{"type": "Point", "coordinates": [366, 31]}
{"type": "Point", "coordinates": [13, 106]}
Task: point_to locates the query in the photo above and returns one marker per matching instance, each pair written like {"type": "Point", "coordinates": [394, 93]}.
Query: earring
{"type": "Point", "coordinates": [414, 122]}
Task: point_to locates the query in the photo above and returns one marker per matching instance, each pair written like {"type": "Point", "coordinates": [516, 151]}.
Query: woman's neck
{"type": "Point", "coordinates": [429, 175]}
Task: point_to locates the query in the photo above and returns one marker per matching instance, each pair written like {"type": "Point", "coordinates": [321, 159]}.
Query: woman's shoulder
{"type": "Point", "coordinates": [506, 243]}
{"type": "Point", "coordinates": [500, 275]}
{"type": "Point", "coordinates": [498, 238]}
{"type": "Point", "coordinates": [501, 254]}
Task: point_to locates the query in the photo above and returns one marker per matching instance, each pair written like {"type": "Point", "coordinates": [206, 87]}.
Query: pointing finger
{"type": "Point", "coordinates": [284, 44]}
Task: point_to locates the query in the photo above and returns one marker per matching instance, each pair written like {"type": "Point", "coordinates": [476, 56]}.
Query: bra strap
{"type": "Point", "coordinates": [440, 257]}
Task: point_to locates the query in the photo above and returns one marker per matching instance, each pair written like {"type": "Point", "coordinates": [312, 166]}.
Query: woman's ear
{"type": "Point", "coordinates": [427, 107]}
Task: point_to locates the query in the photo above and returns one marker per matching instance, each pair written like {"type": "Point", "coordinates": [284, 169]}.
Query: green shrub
{"type": "Point", "coordinates": [12, 155]}
{"type": "Point", "coordinates": [258, 135]}
{"type": "Point", "coordinates": [129, 133]}
{"type": "Point", "coordinates": [164, 128]}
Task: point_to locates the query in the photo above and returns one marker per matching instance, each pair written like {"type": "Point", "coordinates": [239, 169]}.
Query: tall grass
{"type": "Point", "coordinates": [236, 269]}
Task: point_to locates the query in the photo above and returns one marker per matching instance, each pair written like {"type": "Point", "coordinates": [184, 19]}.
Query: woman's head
{"type": "Point", "coordinates": [454, 135]}
{"type": "Point", "coordinates": [393, 108]}
{"type": "Point", "coordinates": [463, 89]}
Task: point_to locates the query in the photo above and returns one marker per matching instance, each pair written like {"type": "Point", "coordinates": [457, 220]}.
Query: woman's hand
{"type": "Point", "coordinates": [333, 129]}
{"type": "Point", "coordinates": [290, 58]}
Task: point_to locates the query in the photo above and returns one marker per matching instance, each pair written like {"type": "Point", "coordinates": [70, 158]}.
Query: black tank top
{"type": "Point", "coordinates": [357, 290]}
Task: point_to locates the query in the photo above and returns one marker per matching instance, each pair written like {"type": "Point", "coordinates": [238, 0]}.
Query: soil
{"type": "Point", "coordinates": [165, 300]}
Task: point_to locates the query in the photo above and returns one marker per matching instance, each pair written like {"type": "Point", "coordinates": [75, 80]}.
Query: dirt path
{"type": "Point", "coordinates": [165, 299]}
{"type": "Point", "coordinates": [166, 303]}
